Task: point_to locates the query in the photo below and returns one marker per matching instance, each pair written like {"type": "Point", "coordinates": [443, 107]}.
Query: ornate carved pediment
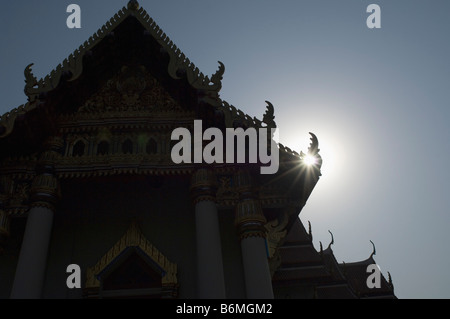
{"type": "Point", "coordinates": [134, 239]}
{"type": "Point", "coordinates": [133, 90]}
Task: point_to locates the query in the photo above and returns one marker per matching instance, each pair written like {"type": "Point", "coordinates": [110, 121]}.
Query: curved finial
{"type": "Point", "coordinates": [28, 69]}
{"type": "Point", "coordinates": [374, 251]}
{"type": "Point", "coordinates": [217, 77]}
{"type": "Point", "coordinates": [314, 146]}
{"type": "Point", "coordinates": [269, 116]}
{"type": "Point", "coordinates": [30, 81]}
{"type": "Point", "coordinates": [390, 281]}
{"type": "Point", "coordinates": [332, 240]}
{"type": "Point", "coordinates": [310, 230]}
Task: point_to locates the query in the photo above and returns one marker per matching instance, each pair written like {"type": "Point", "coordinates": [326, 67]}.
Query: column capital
{"type": "Point", "coordinates": [250, 219]}
{"type": "Point", "coordinates": [45, 189]}
{"type": "Point", "coordinates": [203, 185]}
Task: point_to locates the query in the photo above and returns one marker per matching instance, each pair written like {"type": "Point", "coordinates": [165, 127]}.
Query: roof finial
{"type": "Point", "coordinates": [269, 116]}
{"type": "Point", "coordinates": [390, 281]}
{"type": "Point", "coordinates": [332, 240]}
{"type": "Point", "coordinates": [30, 79]}
{"type": "Point", "coordinates": [218, 76]}
{"type": "Point", "coordinates": [374, 251]}
{"type": "Point", "coordinates": [310, 230]}
{"type": "Point", "coordinates": [314, 146]}
{"type": "Point", "coordinates": [133, 5]}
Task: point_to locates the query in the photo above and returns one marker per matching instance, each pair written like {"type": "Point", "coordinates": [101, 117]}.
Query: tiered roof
{"type": "Point", "coordinates": [303, 266]}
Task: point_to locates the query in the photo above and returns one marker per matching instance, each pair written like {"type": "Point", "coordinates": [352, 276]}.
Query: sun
{"type": "Point", "coordinates": [310, 160]}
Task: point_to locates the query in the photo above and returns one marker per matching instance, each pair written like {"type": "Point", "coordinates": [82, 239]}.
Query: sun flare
{"type": "Point", "coordinates": [310, 160]}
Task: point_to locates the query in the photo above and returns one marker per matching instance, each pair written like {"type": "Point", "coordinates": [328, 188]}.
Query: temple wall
{"type": "Point", "coordinates": [93, 216]}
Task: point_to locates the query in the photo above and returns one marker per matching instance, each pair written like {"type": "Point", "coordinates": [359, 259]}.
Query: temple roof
{"type": "Point", "coordinates": [178, 67]}
{"type": "Point", "coordinates": [301, 264]}
{"type": "Point", "coordinates": [72, 67]}
{"type": "Point", "coordinates": [356, 274]}
{"type": "Point", "coordinates": [71, 100]}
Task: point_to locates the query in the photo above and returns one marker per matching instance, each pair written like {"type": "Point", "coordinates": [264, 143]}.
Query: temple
{"type": "Point", "coordinates": [87, 178]}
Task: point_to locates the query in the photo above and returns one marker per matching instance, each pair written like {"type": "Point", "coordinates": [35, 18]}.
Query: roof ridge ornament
{"type": "Point", "coordinates": [332, 240]}
{"type": "Point", "coordinates": [310, 230]}
{"type": "Point", "coordinates": [390, 282]}
{"type": "Point", "coordinates": [314, 146]}
{"type": "Point", "coordinates": [73, 64]}
{"type": "Point", "coordinates": [217, 77]}
{"type": "Point", "coordinates": [133, 5]}
{"type": "Point", "coordinates": [30, 81]}
{"type": "Point", "coordinates": [269, 116]}
{"type": "Point", "coordinates": [313, 151]}
{"type": "Point", "coordinates": [374, 251]}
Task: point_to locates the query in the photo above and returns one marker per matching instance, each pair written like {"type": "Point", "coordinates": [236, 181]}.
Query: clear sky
{"type": "Point", "coordinates": [378, 100]}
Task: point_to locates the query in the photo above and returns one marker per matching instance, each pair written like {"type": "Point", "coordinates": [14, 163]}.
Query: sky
{"type": "Point", "coordinates": [377, 99]}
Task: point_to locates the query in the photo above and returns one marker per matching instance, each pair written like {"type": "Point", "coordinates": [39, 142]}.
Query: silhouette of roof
{"type": "Point", "coordinates": [179, 66]}
{"type": "Point", "coordinates": [301, 264]}
{"type": "Point", "coordinates": [356, 274]}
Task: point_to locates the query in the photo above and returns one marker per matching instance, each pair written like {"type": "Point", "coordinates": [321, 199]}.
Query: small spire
{"type": "Point", "coordinates": [269, 116]}
{"type": "Point", "coordinates": [314, 146]}
{"type": "Point", "coordinates": [30, 81]}
{"type": "Point", "coordinates": [218, 76]}
{"type": "Point", "coordinates": [390, 281]}
{"type": "Point", "coordinates": [310, 230]}
{"type": "Point", "coordinates": [133, 5]}
{"type": "Point", "coordinates": [332, 240]}
{"type": "Point", "coordinates": [374, 251]}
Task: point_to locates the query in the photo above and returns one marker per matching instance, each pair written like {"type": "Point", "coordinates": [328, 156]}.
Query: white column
{"type": "Point", "coordinates": [210, 278]}
{"type": "Point", "coordinates": [31, 268]}
{"type": "Point", "coordinates": [211, 283]}
{"type": "Point", "coordinates": [45, 193]}
{"type": "Point", "coordinates": [258, 281]}
{"type": "Point", "coordinates": [250, 222]}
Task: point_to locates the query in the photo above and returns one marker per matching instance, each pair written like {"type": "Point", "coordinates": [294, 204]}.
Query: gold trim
{"type": "Point", "coordinates": [276, 232]}
{"type": "Point", "coordinates": [133, 238]}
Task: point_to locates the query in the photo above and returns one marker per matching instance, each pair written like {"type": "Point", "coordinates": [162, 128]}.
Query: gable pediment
{"type": "Point", "coordinates": [134, 91]}
{"type": "Point", "coordinates": [130, 36]}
